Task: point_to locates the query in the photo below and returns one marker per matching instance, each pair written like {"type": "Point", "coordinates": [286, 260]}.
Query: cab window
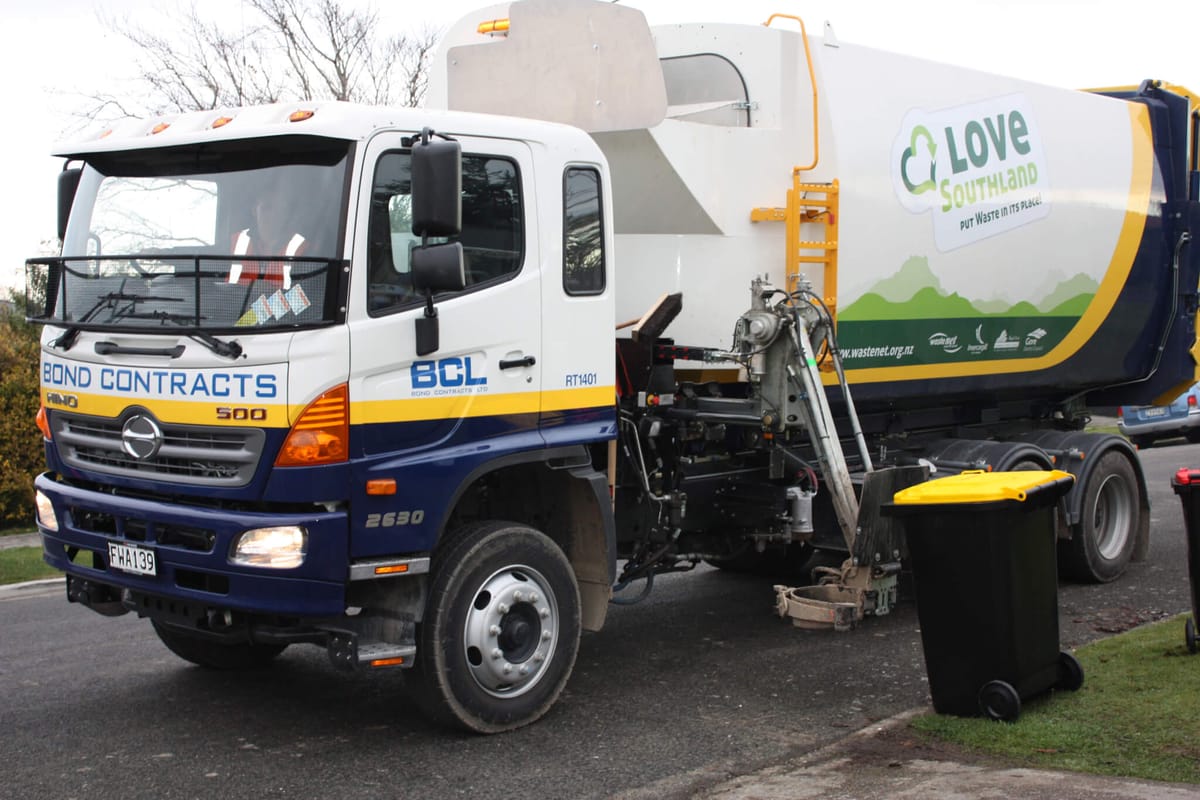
{"type": "Point", "coordinates": [493, 235]}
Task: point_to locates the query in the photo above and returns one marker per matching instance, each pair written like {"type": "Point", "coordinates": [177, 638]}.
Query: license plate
{"type": "Point", "coordinates": [131, 558]}
{"type": "Point", "coordinates": [1155, 412]}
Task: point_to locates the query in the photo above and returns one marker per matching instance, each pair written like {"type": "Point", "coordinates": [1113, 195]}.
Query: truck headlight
{"type": "Point", "coordinates": [45, 513]}
{"type": "Point", "coordinates": [274, 548]}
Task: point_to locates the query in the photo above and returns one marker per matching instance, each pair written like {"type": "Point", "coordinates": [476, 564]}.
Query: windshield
{"type": "Point", "coordinates": [211, 237]}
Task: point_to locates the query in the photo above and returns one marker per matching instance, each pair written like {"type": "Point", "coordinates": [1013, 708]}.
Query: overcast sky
{"type": "Point", "coordinates": [52, 51]}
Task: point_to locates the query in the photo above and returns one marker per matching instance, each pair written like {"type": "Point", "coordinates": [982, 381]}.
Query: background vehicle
{"type": "Point", "coordinates": [413, 445]}
{"type": "Point", "coordinates": [1145, 425]}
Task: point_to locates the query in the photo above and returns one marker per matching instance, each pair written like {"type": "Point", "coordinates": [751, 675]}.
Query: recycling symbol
{"type": "Point", "coordinates": [920, 132]}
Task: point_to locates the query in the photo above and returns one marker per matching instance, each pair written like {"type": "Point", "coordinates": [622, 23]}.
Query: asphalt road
{"type": "Point", "coordinates": [699, 683]}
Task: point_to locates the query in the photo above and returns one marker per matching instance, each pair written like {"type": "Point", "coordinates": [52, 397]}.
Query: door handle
{"type": "Point", "coordinates": [527, 361]}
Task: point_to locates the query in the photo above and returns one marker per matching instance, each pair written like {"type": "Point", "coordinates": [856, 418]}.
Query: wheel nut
{"type": "Point", "coordinates": [533, 597]}
{"type": "Point", "coordinates": [546, 636]}
{"type": "Point", "coordinates": [507, 668]}
{"type": "Point", "coordinates": [539, 657]}
{"type": "Point", "coordinates": [497, 653]}
{"type": "Point", "coordinates": [494, 630]}
{"type": "Point", "coordinates": [517, 597]}
{"type": "Point", "coordinates": [524, 669]}
{"type": "Point", "coordinates": [502, 608]}
{"type": "Point", "coordinates": [545, 612]}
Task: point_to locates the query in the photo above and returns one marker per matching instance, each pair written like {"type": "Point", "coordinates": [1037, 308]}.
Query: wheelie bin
{"type": "Point", "coordinates": [983, 556]}
{"type": "Point", "coordinates": [1186, 484]}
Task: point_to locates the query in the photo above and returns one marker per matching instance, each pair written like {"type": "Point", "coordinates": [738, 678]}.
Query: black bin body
{"type": "Point", "coordinates": [1186, 484]}
{"type": "Point", "coordinates": [986, 582]}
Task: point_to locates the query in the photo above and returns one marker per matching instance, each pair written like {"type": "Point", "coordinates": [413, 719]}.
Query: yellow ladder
{"type": "Point", "coordinates": [809, 203]}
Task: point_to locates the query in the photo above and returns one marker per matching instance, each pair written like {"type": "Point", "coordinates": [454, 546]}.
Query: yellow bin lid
{"type": "Point", "coordinates": [977, 486]}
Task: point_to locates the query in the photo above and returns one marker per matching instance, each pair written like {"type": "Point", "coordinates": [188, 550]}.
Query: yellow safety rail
{"type": "Point", "coordinates": [812, 77]}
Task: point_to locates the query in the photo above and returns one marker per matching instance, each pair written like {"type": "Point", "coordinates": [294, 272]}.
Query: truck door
{"type": "Point", "coordinates": [477, 396]}
{"type": "Point", "coordinates": [578, 392]}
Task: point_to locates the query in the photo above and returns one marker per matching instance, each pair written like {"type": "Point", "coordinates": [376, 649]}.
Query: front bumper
{"type": "Point", "coordinates": [191, 546]}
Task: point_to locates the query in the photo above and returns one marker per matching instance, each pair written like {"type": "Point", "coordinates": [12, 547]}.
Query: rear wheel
{"type": "Point", "coordinates": [785, 564]}
{"type": "Point", "coordinates": [1101, 546]}
{"type": "Point", "coordinates": [501, 629]}
{"type": "Point", "coordinates": [1070, 672]}
{"type": "Point", "coordinates": [216, 655]}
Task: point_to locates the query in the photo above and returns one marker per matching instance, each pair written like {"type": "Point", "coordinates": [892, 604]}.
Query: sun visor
{"type": "Point", "coordinates": [588, 64]}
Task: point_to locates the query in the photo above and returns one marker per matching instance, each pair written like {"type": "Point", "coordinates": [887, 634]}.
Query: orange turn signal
{"type": "Point", "coordinates": [321, 435]}
{"type": "Point", "coordinates": [381, 486]}
{"type": "Point", "coordinates": [392, 569]}
{"type": "Point", "coordinates": [387, 662]}
{"type": "Point", "coordinates": [43, 423]}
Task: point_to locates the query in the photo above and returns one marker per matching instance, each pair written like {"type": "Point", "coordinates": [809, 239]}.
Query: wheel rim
{"type": "Point", "coordinates": [511, 631]}
{"type": "Point", "coordinates": [1112, 516]}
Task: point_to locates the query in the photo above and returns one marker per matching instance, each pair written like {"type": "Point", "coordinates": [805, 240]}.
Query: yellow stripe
{"type": "Point", "coordinates": [1097, 311]}
{"type": "Point", "coordinates": [367, 411]}
{"type": "Point", "coordinates": [571, 399]}
{"type": "Point", "coordinates": [418, 409]}
{"type": "Point", "coordinates": [185, 412]}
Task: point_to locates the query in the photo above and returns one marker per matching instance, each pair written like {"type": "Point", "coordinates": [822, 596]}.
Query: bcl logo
{"type": "Point", "coordinates": [445, 372]}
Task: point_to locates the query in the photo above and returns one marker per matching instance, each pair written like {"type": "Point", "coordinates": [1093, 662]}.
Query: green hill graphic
{"type": "Point", "coordinates": [915, 293]}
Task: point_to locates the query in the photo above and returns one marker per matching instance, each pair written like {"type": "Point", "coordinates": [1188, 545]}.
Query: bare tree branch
{"type": "Point", "coordinates": [294, 49]}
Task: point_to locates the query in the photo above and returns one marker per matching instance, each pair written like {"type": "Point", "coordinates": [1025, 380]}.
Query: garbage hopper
{"type": "Point", "coordinates": [982, 549]}
{"type": "Point", "coordinates": [1186, 484]}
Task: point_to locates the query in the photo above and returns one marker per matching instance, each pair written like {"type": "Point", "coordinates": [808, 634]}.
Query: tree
{"type": "Point", "coordinates": [21, 452]}
{"type": "Point", "coordinates": [288, 50]}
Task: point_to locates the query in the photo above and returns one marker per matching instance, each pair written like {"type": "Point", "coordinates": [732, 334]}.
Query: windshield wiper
{"type": "Point", "coordinates": [218, 346]}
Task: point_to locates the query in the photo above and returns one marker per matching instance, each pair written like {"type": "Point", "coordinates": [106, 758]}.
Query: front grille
{"type": "Point", "coordinates": [191, 454]}
{"type": "Point", "coordinates": [186, 537]}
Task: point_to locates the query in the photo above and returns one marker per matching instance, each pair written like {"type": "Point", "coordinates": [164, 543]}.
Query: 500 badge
{"type": "Point", "coordinates": [395, 519]}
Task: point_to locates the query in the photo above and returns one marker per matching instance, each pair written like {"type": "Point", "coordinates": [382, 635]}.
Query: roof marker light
{"type": "Point", "coordinates": [496, 27]}
{"type": "Point", "coordinates": [221, 122]}
{"type": "Point", "coordinates": [301, 115]}
{"type": "Point", "coordinates": [160, 127]}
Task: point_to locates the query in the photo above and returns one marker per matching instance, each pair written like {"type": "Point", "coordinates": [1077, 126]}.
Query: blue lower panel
{"type": "Point", "coordinates": [191, 547]}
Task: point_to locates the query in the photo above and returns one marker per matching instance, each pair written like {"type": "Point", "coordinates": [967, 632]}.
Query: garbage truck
{"type": "Point", "coordinates": [429, 388]}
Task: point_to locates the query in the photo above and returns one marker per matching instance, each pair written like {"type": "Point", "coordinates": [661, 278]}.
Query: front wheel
{"type": "Point", "coordinates": [216, 655]}
{"type": "Point", "coordinates": [999, 701]}
{"type": "Point", "coordinates": [1101, 546]}
{"type": "Point", "coordinates": [501, 629]}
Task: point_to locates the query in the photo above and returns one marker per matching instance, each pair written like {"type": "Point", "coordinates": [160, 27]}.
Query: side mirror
{"type": "Point", "coordinates": [439, 268]}
{"type": "Point", "coordinates": [435, 268]}
{"type": "Point", "coordinates": [68, 182]}
{"type": "Point", "coordinates": [436, 187]}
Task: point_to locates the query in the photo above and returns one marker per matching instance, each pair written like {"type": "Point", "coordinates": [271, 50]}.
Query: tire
{"type": "Point", "coordinates": [1189, 635]}
{"type": "Point", "coordinates": [787, 564]}
{"type": "Point", "coordinates": [1070, 673]}
{"type": "Point", "coordinates": [999, 701]}
{"type": "Point", "coordinates": [501, 629]}
{"type": "Point", "coordinates": [1101, 546]}
{"type": "Point", "coordinates": [215, 655]}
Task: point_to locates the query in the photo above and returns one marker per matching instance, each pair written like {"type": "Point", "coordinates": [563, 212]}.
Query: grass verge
{"type": "Point", "coordinates": [1136, 715]}
{"type": "Point", "coordinates": [19, 564]}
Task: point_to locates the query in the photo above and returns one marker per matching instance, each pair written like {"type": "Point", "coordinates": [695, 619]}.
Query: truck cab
{"type": "Point", "coordinates": [255, 447]}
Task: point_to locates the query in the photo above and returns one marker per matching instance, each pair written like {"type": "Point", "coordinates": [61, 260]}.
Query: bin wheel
{"type": "Point", "coordinates": [999, 700]}
{"type": "Point", "coordinates": [1189, 633]}
{"type": "Point", "coordinates": [1070, 673]}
